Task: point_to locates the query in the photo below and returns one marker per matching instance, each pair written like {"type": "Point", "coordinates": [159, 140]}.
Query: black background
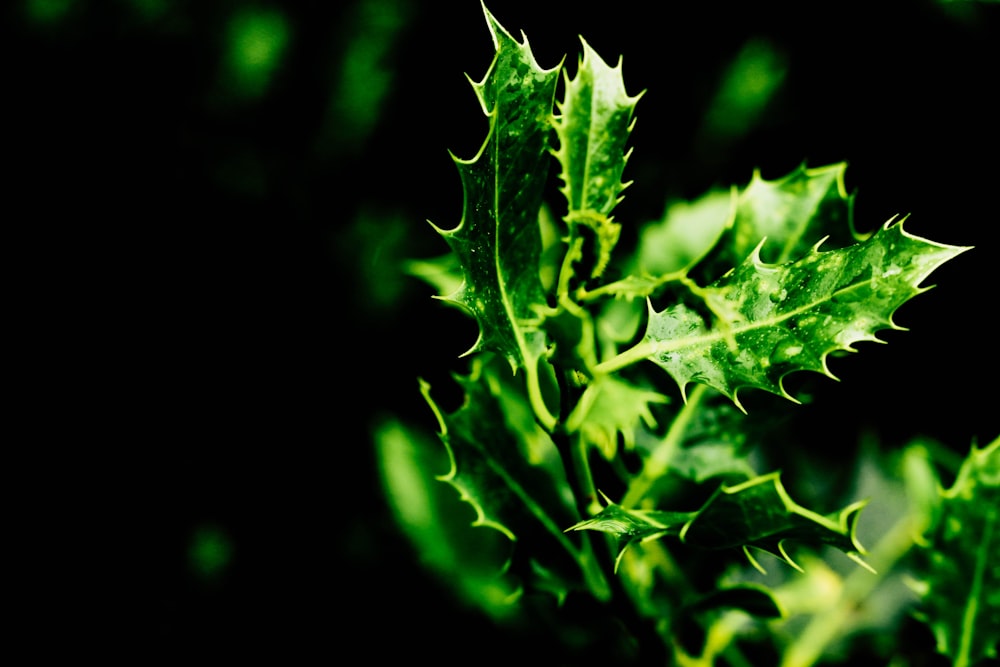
{"type": "Point", "coordinates": [208, 336]}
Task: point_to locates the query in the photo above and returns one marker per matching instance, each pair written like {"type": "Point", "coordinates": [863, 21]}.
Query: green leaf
{"type": "Point", "coordinates": [507, 467]}
{"type": "Point", "coordinates": [758, 513]}
{"type": "Point", "coordinates": [629, 526]}
{"type": "Point", "coordinates": [711, 459]}
{"type": "Point", "coordinates": [685, 234]}
{"type": "Point", "coordinates": [720, 229]}
{"type": "Point", "coordinates": [498, 241]}
{"type": "Point", "coordinates": [593, 126]}
{"type": "Point", "coordinates": [442, 273]}
{"type": "Point", "coordinates": [958, 568]}
{"type": "Point", "coordinates": [770, 320]}
{"type": "Point", "coordinates": [610, 406]}
{"type": "Point", "coordinates": [793, 213]}
{"type": "Point", "coordinates": [470, 560]}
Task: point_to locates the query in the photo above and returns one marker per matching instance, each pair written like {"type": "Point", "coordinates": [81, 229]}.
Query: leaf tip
{"type": "Point", "coordinates": [494, 25]}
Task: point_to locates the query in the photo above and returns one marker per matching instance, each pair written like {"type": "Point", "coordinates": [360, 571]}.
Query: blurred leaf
{"type": "Point", "coordinates": [256, 42]}
{"type": "Point", "coordinates": [470, 559]}
{"type": "Point", "coordinates": [958, 571]}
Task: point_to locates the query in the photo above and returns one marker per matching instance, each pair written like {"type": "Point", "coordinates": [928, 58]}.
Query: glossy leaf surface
{"type": "Point", "coordinates": [498, 242]}
{"type": "Point", "coordinates": [761, 322]}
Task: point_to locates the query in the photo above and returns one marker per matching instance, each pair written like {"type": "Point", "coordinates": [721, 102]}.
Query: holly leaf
{"type": "Point", "coordinates": [793, 213]}
{"type": "Point", "coordinates": [708, 236]}
{"type": "Point", "coordinates": [629, 526]}
{"type": "Point", "coordinates": [684, 235]}
{"type": "Point", "coordinates": [711, 459]}
{"type": "Point", "coordinates": [957, 569]}
{"type": "Point", "coordinates": [498, 241]}
{"type": "Point", "coordinates": [756, 514]}
{"type": "Point", "coordinates": [765, 321]}
{"type": "Point", "coordinates": [610, 406]}
{"type": "Point", "coordinates": [470, 560]}
{"type": "Point", "coordinates": [759, 513]}
{"type": "Point", "coordinates": [593, 126]}
{"type": "Point", "coordinates": [507, 468]}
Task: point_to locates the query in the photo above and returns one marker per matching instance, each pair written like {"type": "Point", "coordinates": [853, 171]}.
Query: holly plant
{"type": "Point", "coordinates": [601, 455]}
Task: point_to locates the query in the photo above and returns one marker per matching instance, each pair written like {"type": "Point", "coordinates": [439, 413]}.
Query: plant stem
{"type": "Point", "coordinates": [542, 413]}
{"type": "Point", "coordinates": [659, 462]}
{"type": "Point", "coordinates": [585, 479]}
{"type": "Point", "coordinates": [971, 606]}
{"type": "Point", "coordinates": [633, 355]}
{"type": "Point", "coordinates": [573, 453]}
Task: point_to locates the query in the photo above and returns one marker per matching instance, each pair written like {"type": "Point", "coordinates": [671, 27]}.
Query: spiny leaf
{"type": "Point", "coordinates": [770, 320]}
{"type": "Point", "coordinates": [594, 123]}
{"type": "Point", "coordinates": [503, 464]}
{"type": "Point", "coordinates": [958, 568]}
{"type": "Point", "coordinates": [498, 241]}
{"type": "Point", "coordinates": [708, 236]}
{"type": "Point", "coordinates": [629, 526]}
{"type": "Point", "coordinates": [758, 514]}
{"type": "Point", "coordinates": [610, 406]}
{"type": "Point", "coordinates": [471, 560]}
{"type": "Point", "coordinates": [793, 213]}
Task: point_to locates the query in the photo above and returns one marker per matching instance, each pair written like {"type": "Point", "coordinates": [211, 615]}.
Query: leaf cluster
{"type": "Point", "coordinates": [602, 439]}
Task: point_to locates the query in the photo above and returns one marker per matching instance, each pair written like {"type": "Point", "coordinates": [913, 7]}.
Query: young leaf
{"type": "Point", "coordinates": [498, 241]}
{"type": "Point", "coordinates": [771, 320]}
{"type": "Point", "coordinates": [594, 123]}
{"type": "Point", "coordinates": [610, 406]}
{"type": "Point", "coordinates": [958, 570]}
{"type": "Point", "coordinates": [758, 513]}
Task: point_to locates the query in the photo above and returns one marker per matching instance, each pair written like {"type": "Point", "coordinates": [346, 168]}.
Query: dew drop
{"type": "Point", "coordinates": [786, 350]}
{"type": "Point", "coordinates": [893, 270]}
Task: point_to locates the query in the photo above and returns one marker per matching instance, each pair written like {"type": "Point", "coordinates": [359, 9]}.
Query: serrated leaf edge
{"type": "Point", "coordinates": [722, 332]}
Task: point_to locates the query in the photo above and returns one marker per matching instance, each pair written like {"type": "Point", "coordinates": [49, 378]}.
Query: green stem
{"type": "Point", "coordinates": [585, 479]}
{"type": "Point", "coordinates": [541, 410]}
{"type": "Point", "coordinates": [593, 573]}
{"type": "Point", "coordinates": [633, 355]}
{"type": "Point", "coordinates": [972, 604]}
{"type": "Point", "coordinates": [631, 287]}
{"type": "Point", "coordinates": [659, 462]}
{"type": "Point", "coordinates": [574, 251]}
{"type": "Point", "coordinates": [574, 457]}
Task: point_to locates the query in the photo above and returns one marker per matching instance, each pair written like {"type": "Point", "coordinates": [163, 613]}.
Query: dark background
{"type": "Point", "coordinates": [224, 320]}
